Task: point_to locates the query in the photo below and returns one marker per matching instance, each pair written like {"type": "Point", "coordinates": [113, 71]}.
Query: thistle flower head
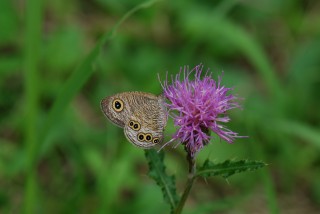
{"type": "Point", "coordinates": [197, 107]}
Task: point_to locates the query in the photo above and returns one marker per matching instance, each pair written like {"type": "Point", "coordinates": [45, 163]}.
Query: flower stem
{"type": "Point", "coordinates": [191, 178]}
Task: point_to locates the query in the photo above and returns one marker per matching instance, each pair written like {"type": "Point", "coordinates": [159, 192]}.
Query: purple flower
{"type": "Point", "coordinates": [198, 106]}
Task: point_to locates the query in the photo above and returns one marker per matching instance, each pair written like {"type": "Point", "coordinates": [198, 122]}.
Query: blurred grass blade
{"type": "Point", "coordinates": [301, 130]}
{"type": "Point", "coordinates": [79, 77]}
{"type": "Point", "coordinates": [31, 57]}
{"type": "Point", "coordinates": [110, 176]}
{"type": "Point", "coordinates": [258, 151]}
{"type": "Point", "coordinates": [205, 26]}
{"type": "Point", "coordinates": [228, 168]}
{"type": "Point", "coordinates": [222, 205]}
{"type": "Point", "coordinates": [165, 182]}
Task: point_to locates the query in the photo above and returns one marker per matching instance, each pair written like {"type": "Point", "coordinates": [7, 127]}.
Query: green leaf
{"type": "Point", "coordinates": [166, 182]}
{"type": "Point", "coordinates": [228, 168]}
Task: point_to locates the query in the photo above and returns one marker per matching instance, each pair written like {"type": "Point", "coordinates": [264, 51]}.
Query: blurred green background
{"type": "Point", "coordinates": [58, 153]}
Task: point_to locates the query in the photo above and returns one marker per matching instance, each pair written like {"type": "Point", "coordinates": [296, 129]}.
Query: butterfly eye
{"type": "Point", "coordinates": [117, 105]}
{"type": "Point", "coordinates": [148, 137]}
{"type": "Point", "coordinates": [155, 140]}
{"type": "Point", "coordinates": [140, 136]}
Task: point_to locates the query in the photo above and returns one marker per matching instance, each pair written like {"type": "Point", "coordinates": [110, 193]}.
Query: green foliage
{"type": "Point", "coordinates": [236, 38]}
{"type": "Point", "coordinates": [79, 77]}
{"type": "Point", "coordinates": [228, 168]}
{"type": "Point", "coordinates": [8, 22]}
{"type": "Point", "coordinates": [52, 78]}
{"type": "Point", "coordinates": [157, 171]}
{"type": "Point", "coordinates": [300, 130]}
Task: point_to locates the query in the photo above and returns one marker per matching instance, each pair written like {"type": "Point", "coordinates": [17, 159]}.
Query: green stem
{"type": "Point", "coordinates": [191, 179]}
{"type": "Point", "coordinates": [185, 195]}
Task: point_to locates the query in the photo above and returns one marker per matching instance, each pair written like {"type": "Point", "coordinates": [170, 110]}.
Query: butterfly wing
{"type": "Point", "coordinates": [147, 122]}
{"type": "Point", "coordinates": [142, 115]}
{"type": "Point", "coordinates": [142, 135]}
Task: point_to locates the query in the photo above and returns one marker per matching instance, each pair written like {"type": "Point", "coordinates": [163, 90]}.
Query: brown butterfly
{"type": "Point", "coordinates": [142, 116]}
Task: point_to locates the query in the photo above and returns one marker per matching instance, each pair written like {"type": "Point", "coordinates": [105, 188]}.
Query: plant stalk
{"type": "Point", "coordinates": [190, 181]}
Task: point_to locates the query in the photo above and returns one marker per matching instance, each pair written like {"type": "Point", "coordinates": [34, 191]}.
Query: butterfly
{"type": "Point", "coordinates": [142, 116]}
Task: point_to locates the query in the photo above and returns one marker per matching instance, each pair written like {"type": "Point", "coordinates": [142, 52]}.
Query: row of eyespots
{"type": "Point", "coordinates": [147, 137]}
{"type": "Point", "coordinates": [134, 125]}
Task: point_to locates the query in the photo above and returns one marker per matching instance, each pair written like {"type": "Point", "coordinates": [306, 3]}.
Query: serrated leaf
{"type": "Point", "coordinates": [228, 168]}
{"type": "Point", "coordinates": [157, 172]}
